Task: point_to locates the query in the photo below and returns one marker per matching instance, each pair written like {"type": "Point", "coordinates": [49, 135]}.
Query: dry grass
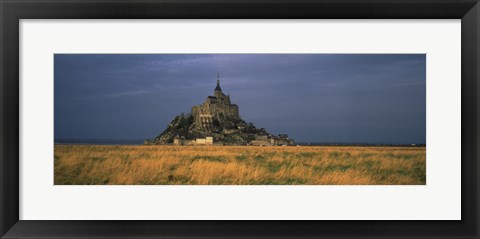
{"type": "Point", "coordinates": [239, 165]}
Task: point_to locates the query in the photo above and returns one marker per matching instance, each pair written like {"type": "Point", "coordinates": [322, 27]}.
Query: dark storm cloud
{"type": "Point", "coordinates": [312, 97]}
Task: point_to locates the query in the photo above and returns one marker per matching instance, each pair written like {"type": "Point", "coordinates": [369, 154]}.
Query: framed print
{"type": "Point", "coordinates": [239, 119]}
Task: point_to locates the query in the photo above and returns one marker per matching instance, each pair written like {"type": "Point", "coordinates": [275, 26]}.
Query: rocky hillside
{"type": "Point", "coordinates": [228, 132]}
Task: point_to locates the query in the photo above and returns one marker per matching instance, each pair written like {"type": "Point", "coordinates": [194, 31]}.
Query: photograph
{"type": "Point", "coordinates": [239, 119]}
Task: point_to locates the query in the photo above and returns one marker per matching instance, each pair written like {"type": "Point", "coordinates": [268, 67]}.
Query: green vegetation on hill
{"type": "Point", "coordinates": [229, 131]}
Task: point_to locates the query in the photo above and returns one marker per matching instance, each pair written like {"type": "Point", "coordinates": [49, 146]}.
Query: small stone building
{"type": "Point", "coordinates": [204, 141]}
{"type": "Point", "coordinates": [270, 140]}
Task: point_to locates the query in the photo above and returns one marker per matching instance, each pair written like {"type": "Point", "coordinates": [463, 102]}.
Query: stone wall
{"type": "Point", "coordinates": [204, 141]}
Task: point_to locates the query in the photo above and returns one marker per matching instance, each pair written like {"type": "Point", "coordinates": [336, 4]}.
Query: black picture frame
{"type": "Point", "coordinates": [12, 11]}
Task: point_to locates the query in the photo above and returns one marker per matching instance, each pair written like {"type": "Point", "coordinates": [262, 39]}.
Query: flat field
{"type": "Point", "coordinates": [238, 165]}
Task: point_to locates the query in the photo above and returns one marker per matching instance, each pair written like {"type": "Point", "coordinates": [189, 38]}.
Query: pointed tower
{"type": "Point", "coordinates": [218, 91]}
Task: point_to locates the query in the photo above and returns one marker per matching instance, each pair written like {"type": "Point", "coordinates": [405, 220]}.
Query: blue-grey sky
{"type": "Point", "coordinates": [363, 98]}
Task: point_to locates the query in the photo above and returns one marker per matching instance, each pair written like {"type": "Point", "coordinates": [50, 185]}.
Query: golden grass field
{"type": "Point", "coordinates": [238, 165]}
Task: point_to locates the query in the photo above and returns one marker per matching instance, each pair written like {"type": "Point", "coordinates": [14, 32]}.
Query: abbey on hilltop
{"type": "Point", "coordinates": [216, 108]}
{"type": "Point", "coordinates": [216, 122]}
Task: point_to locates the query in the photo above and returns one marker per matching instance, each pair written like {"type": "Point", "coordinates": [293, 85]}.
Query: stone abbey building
{"type": "Point", "coordinates": [216, 108]}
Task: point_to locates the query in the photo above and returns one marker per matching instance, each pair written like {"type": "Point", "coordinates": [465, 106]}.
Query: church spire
{"type": "Point", "coordinates": [218, 83]}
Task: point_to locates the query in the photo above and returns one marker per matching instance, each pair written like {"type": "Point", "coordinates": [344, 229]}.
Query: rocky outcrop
{"type": "Point", "coordinates": [227, 132]}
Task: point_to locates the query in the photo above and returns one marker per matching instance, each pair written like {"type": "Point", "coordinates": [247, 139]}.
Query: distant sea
{"type": "Point", "coordinates": [100, 141]}
{"type": "Point", "coordinates": [140, 142]}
